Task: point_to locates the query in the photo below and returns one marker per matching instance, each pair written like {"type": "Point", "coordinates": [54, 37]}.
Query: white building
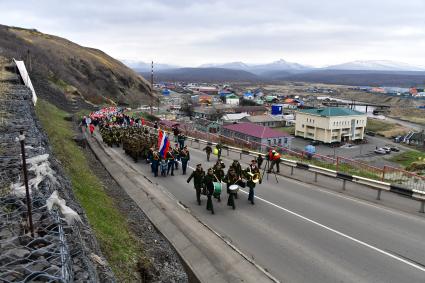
{"type": "Point", "coordinates": [233, 117]}
{"type": "Point", "coordinates": [232, 99]}
{"type": "Point", "coordinates": [331, 124]}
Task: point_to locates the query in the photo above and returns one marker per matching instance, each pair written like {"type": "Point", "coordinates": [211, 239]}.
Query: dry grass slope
{"type": "Point", "coordinates": [86, 72]}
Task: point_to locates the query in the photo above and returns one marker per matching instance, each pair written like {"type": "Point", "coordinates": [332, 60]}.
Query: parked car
{"type": "Point", "coordinates": [347, 145]}
{"type": "Point", "coordinates": [393, 148]}
{"type": "Point", "coordinates": [398, 139]}
{"type": "Point", "coordinates": [387, 149]}
{"type": "Point", "coordinates": [380, 151]}
{"type": "Point", "coordinates": [369, 133]}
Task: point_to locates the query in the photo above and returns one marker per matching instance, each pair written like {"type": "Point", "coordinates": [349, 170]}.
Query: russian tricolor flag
{"type": "Point", "coordinates": [163, 143]}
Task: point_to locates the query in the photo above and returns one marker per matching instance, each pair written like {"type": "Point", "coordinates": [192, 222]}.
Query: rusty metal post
{"type": "Point", "coordinates": [378, 197]}
{"type": "Point", "coordinates": [27, 191]}
{"type": "Point", "coordinates": [337, 163]}
{"type": "Point", "coordinates": [383, 174]}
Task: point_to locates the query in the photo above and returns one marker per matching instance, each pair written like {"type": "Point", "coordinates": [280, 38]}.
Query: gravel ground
{"type": "Point", "coordinates": [167, 265]}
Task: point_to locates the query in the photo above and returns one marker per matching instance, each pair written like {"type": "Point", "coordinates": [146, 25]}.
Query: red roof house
{"type": "Point", "coordinates": [254, 133]}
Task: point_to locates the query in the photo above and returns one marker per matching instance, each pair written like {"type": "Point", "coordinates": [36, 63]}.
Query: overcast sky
{"type": "Point", "coordinates": [190, 33]}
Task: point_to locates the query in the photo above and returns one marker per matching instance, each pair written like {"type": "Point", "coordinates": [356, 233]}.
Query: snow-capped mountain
{"type": "Point", "coordinates": [376, 65]}
{"type": "Point", "coordinates": [280, 65]}
{"type": "Point", "coordinates": [231, 65]}
{"type": "Point", "coordinates": [145, 67]}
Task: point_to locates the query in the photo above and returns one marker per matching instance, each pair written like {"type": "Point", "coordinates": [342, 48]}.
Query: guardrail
{"type": "Point", "coordinates": [379, 185]}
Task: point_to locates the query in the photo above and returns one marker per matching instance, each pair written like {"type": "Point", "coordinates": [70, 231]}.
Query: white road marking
{"type": "Point", "coordinates": [339, 195]}
{"type": "Point", "coordinates": [417, 266]}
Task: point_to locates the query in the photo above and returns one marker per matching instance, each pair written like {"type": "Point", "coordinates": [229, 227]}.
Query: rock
{"type": "Point", "coordinates": [39, 265]}
{"type": "Point", "coordinates": [18, 253]}
{"type": "Point", "coordinates": [97, 259]}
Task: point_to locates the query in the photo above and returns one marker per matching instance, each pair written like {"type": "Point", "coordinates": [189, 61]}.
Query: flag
{"type": "Point", "coordinates": [163, 143]}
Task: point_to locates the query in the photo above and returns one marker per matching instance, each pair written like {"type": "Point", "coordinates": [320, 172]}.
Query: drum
{"type": "Point", "coordinates": [217, 189]}
{"type": "Point", "coordinates": [234, 189]}
{"type": "Point", "coordinates": [215, 151]}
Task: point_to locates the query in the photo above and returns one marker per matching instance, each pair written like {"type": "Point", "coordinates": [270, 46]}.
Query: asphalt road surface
{"type": "Point", "coordinates": [300, 232]}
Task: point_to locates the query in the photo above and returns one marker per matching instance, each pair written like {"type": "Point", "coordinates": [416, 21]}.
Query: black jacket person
{"type": "Point", "coordinates": [198, 181]}
{"type": "Point", "coordinates": [252, 173]}
{"type": "Point", "coordinates": [209, 180]}
{"type": "Point", "coordinates": [232, 179]}
{"type": "Point", "coordinates": [218, 169]}
{"type": "Point", "coordinates": [208, 150]}
{"type": "Point", "coordinates": [237, 167]}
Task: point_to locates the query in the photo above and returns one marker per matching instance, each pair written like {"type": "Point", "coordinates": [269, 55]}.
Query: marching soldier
{"type": "Point", "coordinates": [181, 138]}
{"type": "Point", "coordinates": [155, 163]}
{"type": "Point", "coordinates": [185, 157]}
{"type": "Point", "coordinates": [219, 173]}
{"type": "Point", "coordinates": [236, 166]}
{"type": "Point", "coordinates": [218, 169]}
{"type": "Point", "coordinates": [232, 179]}
{"type": "Point", "coordinates": [209, 180]}
{"type": "Point", "coordinates": [150, 157]}
{"type": "Point", "coordinates": [260, 160]}
{"type": "Point", "coordinates": [176, 153]}
{"type": "Point", "coordinates": [198, 181]}
{"type": "Point", "coordinates": [208, 151]}
{"type": "Point", "coordinates": [253, 175]}
{"type": "Point", "coordinates": [218, 147]}
{"type": "Point", "coordinates": [170, 162]}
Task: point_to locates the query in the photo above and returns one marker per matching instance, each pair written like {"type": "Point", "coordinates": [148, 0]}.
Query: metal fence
{"type": "Point", "coordinates": [341, 164]}
{"type": "Point", "coordinates": [45, 257]}
{"type": "Point", "coordinates": [404, 178]}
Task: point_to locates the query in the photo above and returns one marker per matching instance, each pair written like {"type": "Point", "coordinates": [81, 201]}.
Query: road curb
{"type": "Point", "coordinates": [204, 251]}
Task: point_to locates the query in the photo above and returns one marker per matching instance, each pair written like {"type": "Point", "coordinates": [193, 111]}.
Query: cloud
{"type": "Point", "coordinates": [188, 32]}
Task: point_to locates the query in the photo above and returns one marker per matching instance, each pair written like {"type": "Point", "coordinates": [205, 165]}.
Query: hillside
{"type": "Point", "coordinates": [357, 78]}
{"type": "Point", "coordinates": [61, 69]}
{"type": "Point", "coordinates": [205, 75]}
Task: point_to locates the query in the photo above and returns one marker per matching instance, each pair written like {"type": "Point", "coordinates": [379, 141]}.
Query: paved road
{"type": "Point", "coordinates": [302, 233]}
{"type": "Point", "coordinates": [414, 126]}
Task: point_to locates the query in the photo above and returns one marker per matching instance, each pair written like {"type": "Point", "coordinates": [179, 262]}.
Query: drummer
{"type": "Point", "coordinates": [219, 173]}
{"type": "Point", "coordinates": [209, 180]}
{"type": "Point", "coordinates": [231, 179]}
{"type": "Point", "coordinates": [236, 166]}
{"type": "Point", "coordinates": [252, 173]}
{"type": "Point", "coordinates": [218, 169]}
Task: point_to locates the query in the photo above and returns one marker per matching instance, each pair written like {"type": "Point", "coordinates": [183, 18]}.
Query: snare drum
{"type": "Point", "coordinates": [217, 189]}
{"type": "Point", "coordinates": [234, 189]}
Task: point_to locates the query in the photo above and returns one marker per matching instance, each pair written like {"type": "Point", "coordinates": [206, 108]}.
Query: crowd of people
{"type": "Point", "coordinates": [142, 142]}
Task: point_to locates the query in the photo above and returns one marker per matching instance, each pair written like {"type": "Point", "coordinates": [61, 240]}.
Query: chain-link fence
{"type": "Point", "coordinates": [56, 252]}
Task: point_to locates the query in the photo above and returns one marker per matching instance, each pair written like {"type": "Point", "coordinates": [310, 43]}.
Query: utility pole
{"type": "Point", "coordinates": [151, 87]}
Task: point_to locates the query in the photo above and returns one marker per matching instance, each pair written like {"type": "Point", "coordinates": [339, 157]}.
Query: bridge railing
{"type": "Point", "coordinates": [388, 179]}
